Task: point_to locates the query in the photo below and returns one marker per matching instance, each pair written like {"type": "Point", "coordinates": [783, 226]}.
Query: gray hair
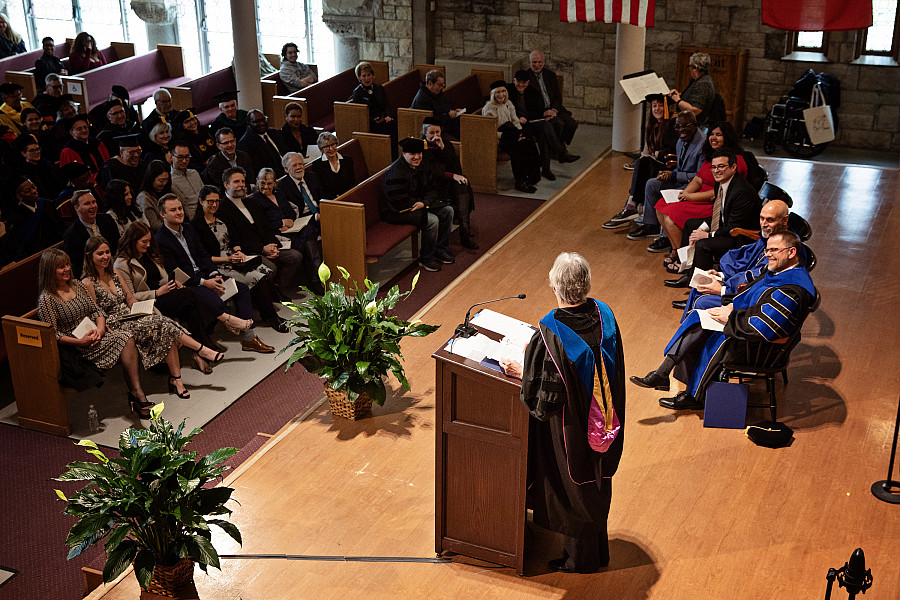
{"type": "Point", "coordinates": [571, 278]}
{"type": "Point", "coordinates": [161, 204]}
{"type": "Point", "coordinates": [51, 77]}
{"type": "Point", "coordinates": [425, 127]}
{"type": "Point", "coordinates": [158, 128]}
{"type": "Point", "coordinates": [160, 93]}
{"type": "Point", "coordinates": [325, 137]}
{"type": "Point", "coordinates": [265, 171]}
{"type": "Point", "coordinates": [700, 60]}
{"type": "Point", "coordinates": [286, 159]}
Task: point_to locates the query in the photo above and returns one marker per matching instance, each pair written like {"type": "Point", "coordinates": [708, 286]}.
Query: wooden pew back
{"type": "Point", "coordinates": [199, 94]}
{"type": "Point", "coordinates": [21, 276]}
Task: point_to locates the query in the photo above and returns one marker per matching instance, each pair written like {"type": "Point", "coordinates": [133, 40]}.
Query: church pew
{"type": "Point", "coordinates": [273, 86]}
{"type": "Point", "coordinates": [318, 99]}
{"type": "Point", "coordinates": [199, 94]}
{"type": "Point", "coordinates": [21, 70]}
{"type": "Point", "coordinates": [353, 233]}
{"type": "Point", "coordinates": [141, 75]}
{"type": "Point", "coordinates": [478, 134]}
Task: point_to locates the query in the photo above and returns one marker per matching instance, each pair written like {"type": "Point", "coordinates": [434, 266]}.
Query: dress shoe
{"type": "Point", "coordinates": [628, 166]}
{"type": "Point", "coordinates": [652, 380]}
{"type": "Point", "coordinates": [548, 175]}
{"type": "Point", "coordinates": [679, 304]}
{"type": "Point", "coordinates": [256, 345]}
{"type": "Point", "coordinates": [278, 324]}
{"type": "Point", "coordinates": [430, 265]}
{"type": "Point", "coordinates": [444, 257]}
{"type": "Point", "coordinates": [466, 241]}
{"type": "Point", "coordinates": [682, 282]}
{"type": "Point", "coordinates": [559, 565]}
{"type": "Point", "coordinates": [621, 219]}
{"type": "Point", "coordinates": [661, 244]}
{"type": "Point", "coordinates": [681, 401]}
{"type": "Point", "coordinates": [569, 158]}
{"type": "Point", "coordinates": [643, 231]}
{"type": "Point", "coordinates": [524, 186]}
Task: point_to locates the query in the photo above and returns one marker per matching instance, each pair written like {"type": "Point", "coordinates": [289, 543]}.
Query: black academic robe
{"type": "Point", "coordinates": [201, 144]}
{"type": "Point", "coordinates": [116, 169]}
{"type": "Point", "coordinates": [567, 475]}
{"type": "Point", "coordinates": [236, 125]}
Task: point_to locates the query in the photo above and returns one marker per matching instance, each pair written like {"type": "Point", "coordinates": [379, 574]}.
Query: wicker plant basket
{"type": "Point", "coordinates": [168, 581]}
{"type": "Point", "coordinates": [341, 407]}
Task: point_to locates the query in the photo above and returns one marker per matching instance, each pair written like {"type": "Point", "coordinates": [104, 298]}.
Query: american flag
{"type": "Point", "coordinates": [633, 12]}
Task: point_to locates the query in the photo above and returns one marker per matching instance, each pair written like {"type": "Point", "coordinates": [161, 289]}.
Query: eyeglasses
{"type": "Point", "coordinates": [182, 156]}
{"type": "Point", "coordinates": [772, 250]}
{"type": "Point", "coordinates": [212, 201]}
{"type": "Point", "coordinates": [718, 167]}
{"type": "Point", "coordinates": [327, 146]}
{"type": "Point", "coordinates": [679, 125]}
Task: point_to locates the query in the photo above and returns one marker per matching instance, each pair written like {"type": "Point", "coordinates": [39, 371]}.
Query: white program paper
{"type": "Point", "coordinates": [638, 88]}
{"type": "Point", "coordinates": [144, 307]}
{"type": "Point", "coordinates": [708, 323]}
{"type": "Point", "coordinates": [230, 289]}
{"type": "Point", "coordinates": [502, 324]}
{"type": "Point", "coordinates": [180, 276]}
{"type": "Point", "coordinates": [85, 327]}
{"type": "Point", "coordinates": [703, 278]}
{"type": "Point", "coordinates": [476, 348]}
{"type": "Point", "coordinates": [686, 258]}
{"type": "Point", "coordinates": [671, 196]}
{"type": "Point", "coordinates": [299, 224]}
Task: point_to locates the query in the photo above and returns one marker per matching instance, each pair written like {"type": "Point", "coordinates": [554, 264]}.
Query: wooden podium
{"type": "Point", "coordinates": [482, 461]}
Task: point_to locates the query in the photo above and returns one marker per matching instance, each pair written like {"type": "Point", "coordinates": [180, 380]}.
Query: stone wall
{"type": "Point", "coordinates": [393, 36]}
{"type": "Point", "coordinates": [507, 30]}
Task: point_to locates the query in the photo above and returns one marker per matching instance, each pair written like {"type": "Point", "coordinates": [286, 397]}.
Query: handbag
{"type": "Point", "coordinates": [818, 118]}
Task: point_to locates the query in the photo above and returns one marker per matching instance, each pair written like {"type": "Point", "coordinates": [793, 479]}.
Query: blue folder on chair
{"type": "Point", "coordinates": [726, 405]}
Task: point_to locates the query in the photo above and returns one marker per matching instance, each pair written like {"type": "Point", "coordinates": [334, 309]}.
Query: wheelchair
{"type": "Point", "coordinates": [784, 124]}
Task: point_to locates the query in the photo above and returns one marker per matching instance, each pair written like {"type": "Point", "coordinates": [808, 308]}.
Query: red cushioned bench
{"type": "Point", "coordinates": [141, 75]}
{"type": "Point", "coordinates": [199, 94]}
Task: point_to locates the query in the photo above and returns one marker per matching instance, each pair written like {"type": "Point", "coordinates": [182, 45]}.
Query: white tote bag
{"type": "Point", "coordinates": [818, 118]}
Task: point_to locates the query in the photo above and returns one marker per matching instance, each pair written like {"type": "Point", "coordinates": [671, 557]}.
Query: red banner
{"type": "Point", "coordinates": [633, 12]}
{"type": "Point", "coordinates": [817, 15]}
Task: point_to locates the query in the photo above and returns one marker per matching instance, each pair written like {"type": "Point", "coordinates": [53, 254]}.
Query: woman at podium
{"type": "Point", "coordinates": [573, 382]}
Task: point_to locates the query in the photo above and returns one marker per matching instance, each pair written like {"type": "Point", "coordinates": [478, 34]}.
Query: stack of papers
{"type": "Point", "coordinates": [671, 196]}
{"type": "Point", "coordinates": [140, 309]}
{"type": "Point", "coordinates": [480, 347]}
{"type": "Point", "coordinates": [708, 323]}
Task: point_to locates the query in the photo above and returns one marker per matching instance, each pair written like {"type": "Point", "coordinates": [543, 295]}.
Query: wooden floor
{"type": "Point", "coordinates": [696, 513]}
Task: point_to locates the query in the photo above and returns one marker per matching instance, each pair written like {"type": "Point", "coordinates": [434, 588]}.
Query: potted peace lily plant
{"type": "Point", "coordinates": [350, 341]}
{"type": "Point", "coordinates": [150, 506]}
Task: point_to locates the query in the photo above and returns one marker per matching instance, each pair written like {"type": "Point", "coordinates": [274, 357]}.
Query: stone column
{"type": "Point", "coordinates": [626, 133]}
{"type": "Point", "coordinates": [246, 54]}
{"type": "Point", "coordinates": [159, 19]}
{"type": "Point", "coordinates": [353, 23]}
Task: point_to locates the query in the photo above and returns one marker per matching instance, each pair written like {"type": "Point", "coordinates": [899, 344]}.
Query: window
{"type": "Point", "coordinates": [881, 39]}
{"type": "Point", "coordinates": [807, 46]}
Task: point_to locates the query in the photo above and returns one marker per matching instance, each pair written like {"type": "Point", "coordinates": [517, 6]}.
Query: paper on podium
{"type": "Point", "coordinates": [476, 348]}
{"type": "Point", "coordinates": [701, 277]}
{"type": "Point", "coordinates": [671, 196]}
{"type": "Point", "coordinates": [638, 88]}
{"type": "Point", "coordinates": [708, 323]}
{"type": "Point", "coordinates": [506, 326]}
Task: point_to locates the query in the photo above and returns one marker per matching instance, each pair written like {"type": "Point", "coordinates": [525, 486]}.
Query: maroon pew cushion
{"type": "Point", "coordinates": [382, 237]}
{"type": "Point", "coordinates": [466, 93]}
{"type": "Point", "coordinates": [320, 98]}
{"type": "Point", "coordinates": [401, 91]}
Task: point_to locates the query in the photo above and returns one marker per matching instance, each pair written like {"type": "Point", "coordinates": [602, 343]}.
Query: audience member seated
{"type": "Point", "coordinates": [334, 171]}
{"type": "Point", "coordinates": [769, 310]}
{"type": "Point", "coordinates": [157, 183]}
{"type": "Point", "coordinates": [198, 138]}
{"type": "Point", "coordinates": [181, 249]}
{"type": "Point", "coordinates": [430, 97]}
{"type": "Point", "coordinates": [162, 113]}
{"type": "Point", "coordinates": [48, 63]}
{"type": "Point", "coordinates": [120, 93]}
{"type": "Point", "coordinates": [117, 125]}
{"type": "Point", "coordinates": [231, 261]}
{"type": "Point", "coordinates": [38, 169]}
{"type": "Point", "coordinates": [736, 207]}
{"type": "Point", "coordinates": [249, 228]}
{"type": "Point", "coordinates": [64, 303]}
{"type": "Point", "coordinates": [12, 107]}
{"type": "Point", "coordinates": [689, 150]}
{"type": "Point", "coordinates": [126, 165]}
{"type": "Point", "coordinates": [88, 223]}
{"type": "Point", "coordinates": [445, 169]}
{"type": "Point", "coordinates": [659, 148]}
{"type": "Point", "coordinates": [34, 219]}
{"type": "Point", "coordinates": [264, 145]}
{"type": "Point", "coordinates": [122, 205]}
{"type": "Point", "coordinates": [85, 55]}
{"type": "Point", "coordinates": [373, 95]}
{"type": "Point", "coordinates": [264, 197]}
{"type": "Point", "coordinates": [228, 157]}
{"type": "Point", "coordinates": [530, 111]}
{"type": "Point", "coordinates": [231, 115]}
{"type": "Point", "coordinates": [297, 137]}
{"type": "Point", "coordinates": [33, 123]}
{"type": "Point", "coordinates": [81, 147]}
{"type": "Point", "coordinates": [544, 81]}
{"type": "Point", "coordinates": [158, 146]}
{"type": "Point", "coordinates": [77, 177]}
{"type": "Point", "coordinates": [140, 267]}
{"type": "Point", "coordinates": [186, 182]}
{"type": "Point", "coordinates": [523, 153]}
{"type": "Point", "coordinates": [737, 267]}
{"type": "Point", "coordinates": [294, 75]}
{"type": "Point", "coordinates": [49, 100]}
{"type": "Point", "coordinates": [698, 96]}
{"type": "Point", "coordinates": [298, 196]}
{"type": "Point", "coordinates": [696, 200]}
{"type": "Point", "coordinates": [406, 189]}
{"type": "Point", "coordinates": [11, 43]}
{"type": "Point", "coordinates": [157, 337]}
{"type": "Point", "coordinates": [11, 248]}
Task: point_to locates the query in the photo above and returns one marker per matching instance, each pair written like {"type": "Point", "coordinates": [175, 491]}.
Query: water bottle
{"type": "Point", "coordinates": [93, 419]}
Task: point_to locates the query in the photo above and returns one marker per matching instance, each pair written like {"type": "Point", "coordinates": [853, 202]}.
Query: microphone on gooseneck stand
{"type": "Point", "coordinates": [465, 330]}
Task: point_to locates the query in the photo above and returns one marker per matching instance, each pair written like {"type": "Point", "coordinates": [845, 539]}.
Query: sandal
{"type": "Point", "coordinates": [219, 355]}
{"type": "Point", "coordinates": [673, 267]}
{"type": "Point", "coordinates": [248, 323]}
{"type": "Point", "coordinates": [201, 364]}
{"type": "Point", "coordinates": [139, 407]}
{"type": "Point", "coordinates": [174, 390]}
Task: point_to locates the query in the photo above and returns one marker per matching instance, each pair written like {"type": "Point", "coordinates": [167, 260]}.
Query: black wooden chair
{"type": "Point", "coordinates": [764, 360]}
{"type": "Point", "coordinates": [800, 226]}
{"type": "Point", "coordinates": [770, 191]}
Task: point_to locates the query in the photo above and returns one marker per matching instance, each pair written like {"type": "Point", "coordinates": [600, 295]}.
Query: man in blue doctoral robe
{"type": "Point", "coordinates": [770, 309]}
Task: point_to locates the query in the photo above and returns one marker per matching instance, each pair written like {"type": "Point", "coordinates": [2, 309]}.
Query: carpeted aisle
{"type": "Point", "coordinates": [31, 518]}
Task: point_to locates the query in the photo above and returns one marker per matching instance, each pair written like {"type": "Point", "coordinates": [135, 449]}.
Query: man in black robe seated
{"type": "Point", "coordinates": [264, 145]}
{"type": "Point", "coordinates": [407, 187]}
{"type": "Point", "coordinates": [770, 310]}
{"type": "Point", "coordinates": [441, 158]}
{"type": "Point", "coordinates": [42, 173]}
{"type": "Point", "coordinates": [573, 383]}
{"type": "Point", "coordinates": [431, 97]}
{"type": "Point", "coordinates": [163, 113]}
{"type": "Point", "coordinates": [126, 165]}
{"type": "Point", "coordinates": [231, 116]}
{"type": "Point", "coordinates": [530, 110]}
{"type": "Point", "coordinates": [117, 125]}
{"type": "Point", "coordinates": [34, 218]}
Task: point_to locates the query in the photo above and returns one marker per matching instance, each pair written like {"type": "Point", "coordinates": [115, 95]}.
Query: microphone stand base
{"type": "Point", "coordinates": [465, 331]}
{"type": "Point", "coordinates": [882, 491]}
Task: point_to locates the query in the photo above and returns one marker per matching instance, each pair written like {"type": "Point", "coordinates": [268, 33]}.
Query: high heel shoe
{"type": "Point", "coordinates": [219, 355]}
{"type": "Point", "coordinates": [248, 323]}
{"type": "Point", "coordinates": [174, 390]}
{"type": "Point", "coordinates": [201, 364]}
{"type": "Point", "coordinates": [139, 407]}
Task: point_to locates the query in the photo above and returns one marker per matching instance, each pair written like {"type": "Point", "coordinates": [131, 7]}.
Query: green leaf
{"type": "Point", "coordinates": [414, 281]}
{"type": "Point", "coordinates": [86, 526]}
{"type": "Point", "coordinates": [362, 367]}
{"type": "Point", "coordinates": [144, 563]}
{"type": "Point", "coordinates": [368, 284]}
{"type": "Point", "coordinates": [217, 456]}
{"type": "Point", "coordinates": [87, 444]}
{"type": "Point", "coordinates": [205, 553]}
{"type": "Point", "coordinates": [229, 528]}
{"type": "Point", "coordinates": [115, 538]}
{"type": "Point", "coordinates": [156, 411]}
{"type": "Point", "coordinates": [324, 273]}
{"type": "Point", "coordinates": [119, 560]}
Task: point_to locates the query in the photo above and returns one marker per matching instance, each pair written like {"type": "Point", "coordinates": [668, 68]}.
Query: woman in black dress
{"type": "Point", "coordinates": [373, 95]}
{"type": "Point", "coordinates": [333, 170]}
